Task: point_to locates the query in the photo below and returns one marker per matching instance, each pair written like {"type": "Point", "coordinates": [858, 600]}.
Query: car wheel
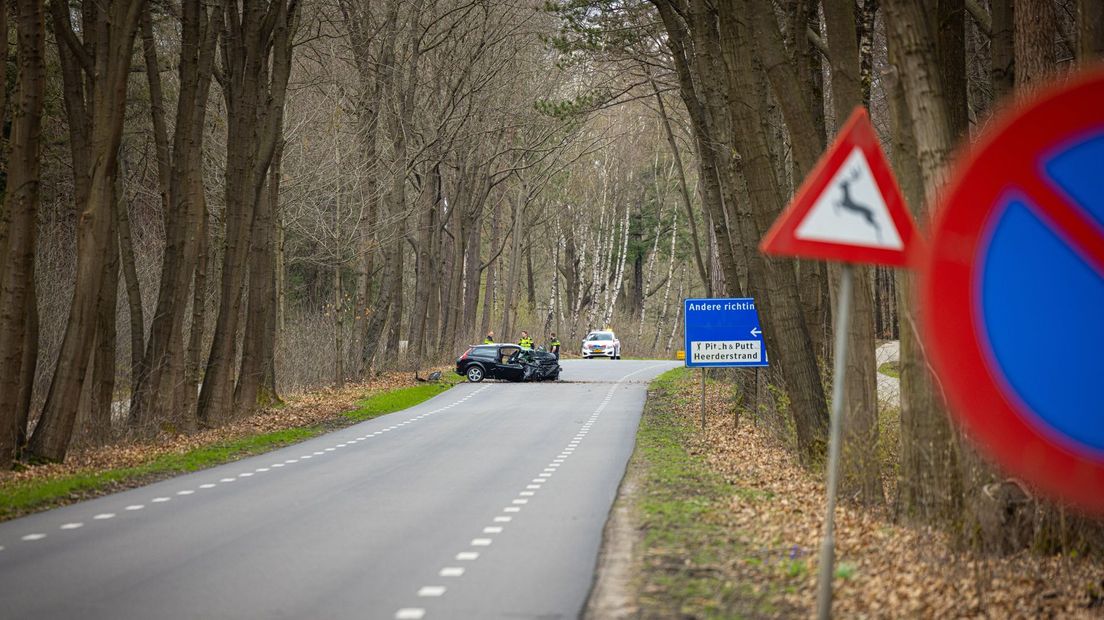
{"type": "Point", "coordinates": [475, 374]}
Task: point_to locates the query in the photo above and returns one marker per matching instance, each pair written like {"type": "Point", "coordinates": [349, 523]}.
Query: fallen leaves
{"type": "Point", "coordinates": [883, 569]}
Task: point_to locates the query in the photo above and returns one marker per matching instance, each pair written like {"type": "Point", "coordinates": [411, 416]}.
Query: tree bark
{"type": "Point", "coordinates": [774, 282]}
{"type": "Point", "coordinates": [930, 487]}
{"type": "Point", "coordinates": [112, 40]}
{"type": "Point", "coordinates": [254, 88]}
{"type": "Point", "coordinates": [180, 172]}
{"type": "Point", "coordinates": [1002, 71]}
{"type": "Point", "coordinates": [1090, 30]}
{"type": "Point", "coordinates": [18, 312]}
{"type": "Point", "coordinates": [1035, 27]}
{"type": "Point", "coordinates": [860, 472]}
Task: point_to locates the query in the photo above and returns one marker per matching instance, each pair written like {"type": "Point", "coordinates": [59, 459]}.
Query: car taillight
{"type": "Point", "coordinates": [465, 355]}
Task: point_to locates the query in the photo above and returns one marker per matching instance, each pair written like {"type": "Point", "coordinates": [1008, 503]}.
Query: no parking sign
{"type": "Point", "coordinates": [1013, 292]}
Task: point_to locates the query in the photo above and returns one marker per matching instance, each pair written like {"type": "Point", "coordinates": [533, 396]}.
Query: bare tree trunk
{"type": "Point", "coordinates": [1035, 26]}
{"type": "Point", "coordinates": [18, 312]}
{"type": "Point", "coordinates": [684, 189]}
{"type": "Point", "coordinates": [163, 368]}
{"type": "Point", "coordinates": [929, 486]}
{"type": "Point", "coordinates": [339, 328]}
{"type": "Point", "coordinates": [799, 94]}
{"type": "Point", "coordinates": [256, 380]}
{"type": "Point", "coordinates": [1090, 30]}
{"type": "Point", "coordinates": [681, 46]}
{"type": "Point", "coordinates": [424, 270]}
{"type": "Point", "coordinates": [102, 387]}
{"type": "Point", "coordinates": [1002, 71]}
{"type": "Point", "coordinates": [109, 67]}
{"type": "Point", "coordinates": [254, 110]}
{"type": "Point", "coordinates": [860, 474]}
{"type": "Point", "coordinates": [774, 282]}
{"type": "Point", "coordinates": [130, 276]}
{"type": "Point", "coordinates": [489, 292]}
{"type": "Point", "coordinates": [194, 366]}
{"type": "Point", "coordinates": [510, 304]}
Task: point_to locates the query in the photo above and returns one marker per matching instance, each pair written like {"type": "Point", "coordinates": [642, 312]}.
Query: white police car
{"type": "Point", "coordinates": [601, 344]}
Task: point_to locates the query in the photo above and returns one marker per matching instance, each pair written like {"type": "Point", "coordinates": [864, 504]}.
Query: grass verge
{"type": "Point", "coordinates": [681, 506]}
{"type": "Point", "coordinates": [21, 497]}
{"type": "Point", "coordinates": [397, 400]}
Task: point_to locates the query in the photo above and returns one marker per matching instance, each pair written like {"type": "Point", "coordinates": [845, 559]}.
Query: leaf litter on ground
{"type": "Point", "coordinates": [883, 569]}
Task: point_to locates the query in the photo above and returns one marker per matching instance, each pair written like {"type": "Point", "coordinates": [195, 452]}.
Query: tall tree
{"type": "Point", "coordinates": [930, 481]}
{"type": "Point", "coordinates": [256, 46]}
{"type": "Point", "coordinates": [860, 474]}
{"type": "Point", "coordinates": [157, 384]}
{"type": "Point", "coordinates": [18, 229]}
{"type": "Point", "coordinates": [94, 71]}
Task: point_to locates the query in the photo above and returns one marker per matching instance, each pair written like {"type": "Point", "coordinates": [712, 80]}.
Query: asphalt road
{"type": "Point", "coordinates": [485, 502]}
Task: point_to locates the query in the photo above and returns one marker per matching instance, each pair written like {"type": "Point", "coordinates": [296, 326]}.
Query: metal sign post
{"type": "Point", "coordinates": [703, 399]}
{"type": "Point", "coordinates": [839, 368]}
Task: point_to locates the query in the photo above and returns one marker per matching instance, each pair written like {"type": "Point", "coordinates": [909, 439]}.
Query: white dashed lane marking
{"type": "Point", "coordinates": [431, 591]}
{"type": "Point", "coordinates": [413, 612]}
{"type": "Point", "coordinates": [576, 441]}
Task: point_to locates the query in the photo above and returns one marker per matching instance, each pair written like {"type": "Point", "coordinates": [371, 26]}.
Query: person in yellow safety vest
{"type": "Point", "coordinates": [490, 338]}
{"type": "Point", "coordinates": [525, 341]}
{"type": "Point", "coordinates": [554, 345]}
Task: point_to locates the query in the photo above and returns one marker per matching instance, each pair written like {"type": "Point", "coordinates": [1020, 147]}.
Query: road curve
{"type": "Point", "coordinates": [485, 502]}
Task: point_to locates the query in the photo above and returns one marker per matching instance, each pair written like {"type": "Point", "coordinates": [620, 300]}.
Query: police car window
{"type": "Point", "coordinates": [601, 336]}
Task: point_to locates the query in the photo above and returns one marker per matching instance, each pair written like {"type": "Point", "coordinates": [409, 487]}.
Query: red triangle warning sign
{"type": "Point", "coordinates": [849, 208]}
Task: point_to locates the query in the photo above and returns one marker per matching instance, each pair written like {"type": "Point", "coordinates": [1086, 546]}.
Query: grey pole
{"type": "Point", "coordinates": [703, 399]}
{"type": "Point", "coordinates": [755, 404]}
{"type": "Point", "coordinates": [839, 366]}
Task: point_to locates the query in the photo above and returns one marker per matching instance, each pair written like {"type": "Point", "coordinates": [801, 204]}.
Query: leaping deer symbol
{"type": "Point", "coordinates": [849, 203]}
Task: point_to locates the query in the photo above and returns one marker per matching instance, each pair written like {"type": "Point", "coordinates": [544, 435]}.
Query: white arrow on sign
{"type": "Point", "coordinates": [755, 331]}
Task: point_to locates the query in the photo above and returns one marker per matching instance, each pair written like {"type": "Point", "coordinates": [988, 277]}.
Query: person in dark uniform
{"type": "Point", "coordinates": [525, 341]}
{"type": "Point", "coordinates": [554, 345]}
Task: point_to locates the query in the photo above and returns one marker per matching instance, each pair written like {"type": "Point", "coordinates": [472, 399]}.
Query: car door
{"type": "Point", "coordinates": [507, 366]}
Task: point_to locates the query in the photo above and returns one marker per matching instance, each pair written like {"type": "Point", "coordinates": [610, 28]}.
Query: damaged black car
{"type": "Point", "coordinates": [508, 362]}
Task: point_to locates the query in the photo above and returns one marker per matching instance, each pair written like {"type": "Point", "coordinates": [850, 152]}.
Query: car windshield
{"type": "Point", "coordinates": [600, 336]}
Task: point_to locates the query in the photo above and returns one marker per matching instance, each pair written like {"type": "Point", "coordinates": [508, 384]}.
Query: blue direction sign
{"type": "Point", "coordinates": [723, 333]}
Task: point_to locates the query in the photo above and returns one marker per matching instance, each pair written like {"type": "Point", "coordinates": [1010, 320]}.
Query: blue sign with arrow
{"type": "Point", "coordinates": [723, 333]}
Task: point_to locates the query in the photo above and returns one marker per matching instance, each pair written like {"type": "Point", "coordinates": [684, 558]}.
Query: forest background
{"type": "Point", "coordinates": [208, 204]}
